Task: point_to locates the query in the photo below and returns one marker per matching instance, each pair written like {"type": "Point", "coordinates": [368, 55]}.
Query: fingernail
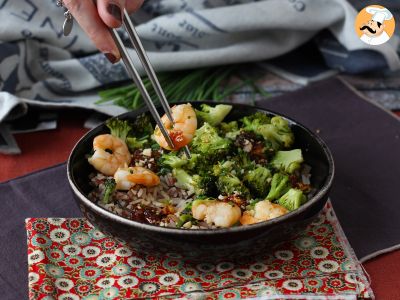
{"type": "Point", "coordinates": [111, 57]}
{"type": "Point", "coordinates": [115, 11]}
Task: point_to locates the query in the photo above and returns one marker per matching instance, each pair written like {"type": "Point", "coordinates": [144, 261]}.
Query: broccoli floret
{"type": "Point", "coordinates": [229, 184]}
{"type": "Point", "coordinates": [184, 180]}
{"type": "Point", "coordinates": [142, 129]}
{"type": "Point", "coordinates": [134, 143]}
{"type": "Point", "coordinates": [242, 161]}
{"type": "Point", "coordinates": [206, 141]}
{"type": "Point", "coordinates": [275, 131]}
{"type": "Point", "coordinates": [192, 183]}
{"type": "Point", "coordinates": [172, 161]}
{"type": "Point", "coordinates": [279, 185]}
{"type": "Point", "coordinates": [229, 127]}
{"type": "Point", "coordinates": [110, 185]}
{"type": "Point", "coordinates": [213, 115]}
{"type": "Point", "coordinates": [292, 199]}
{"type": "Point", "coordinates": [230, 130]}
{"type": "Point", "coordinates": [119, 128]}
{"type": "Point", "coordinates": [258, 181]}
{"type": "Point", "coordinates": [278, 133]}
{"type": "Point", "coordinates": [195, 162]}
{"type": "Point", "coordinates": [237, 165]}
{"type": "Point", "coordinates": [252, 122]}
{"type": "Point", "coordinates": [142, 126]}
{"type": "Point", "coordinates": [287, 161]}
{"type": "Point", "coordinates": [208, 185]}
{"type": "Point", "coordinates": [223, 168]}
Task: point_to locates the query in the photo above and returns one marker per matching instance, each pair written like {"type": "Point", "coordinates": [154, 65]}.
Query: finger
{"type": "Point", "coordinates": [85, 13]}
{"type": "Point", "coordinates": [133, 5]}
{"type": "Point", "coordinates": [110, 11]}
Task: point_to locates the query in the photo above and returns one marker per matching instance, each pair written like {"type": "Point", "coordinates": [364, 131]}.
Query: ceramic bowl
{"type": "Point", "coordinates": [211, 244]}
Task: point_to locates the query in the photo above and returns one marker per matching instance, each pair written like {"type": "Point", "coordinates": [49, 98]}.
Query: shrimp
{"type": "Point", "coordinates": [182, 130]}
{"type": "Point", "coordinates": [219, 213]}
{"type": "Point", "coordinates": [126, 178]}
{"type": "Point", "coordinates": [263, 211]}
{"type": "Point", "coordinates": [110, 153]}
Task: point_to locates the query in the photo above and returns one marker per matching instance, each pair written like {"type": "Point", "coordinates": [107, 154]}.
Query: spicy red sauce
{"type": "Point", "coordinates": [178, 139]}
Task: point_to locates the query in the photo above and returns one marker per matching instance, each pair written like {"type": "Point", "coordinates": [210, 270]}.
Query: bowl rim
{"type": "Point", "coordinates": [216, 231]}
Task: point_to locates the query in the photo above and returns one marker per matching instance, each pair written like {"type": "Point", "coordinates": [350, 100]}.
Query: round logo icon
{"type": "Point", "coordinates": [374, 25]}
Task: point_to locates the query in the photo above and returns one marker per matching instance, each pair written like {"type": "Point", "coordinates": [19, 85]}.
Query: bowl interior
{"type": "Point", "coordinates": [315, 152]}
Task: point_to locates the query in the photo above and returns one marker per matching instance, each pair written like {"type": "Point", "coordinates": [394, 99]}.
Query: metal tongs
{"type": "Point", "coordinates": [137, 45]}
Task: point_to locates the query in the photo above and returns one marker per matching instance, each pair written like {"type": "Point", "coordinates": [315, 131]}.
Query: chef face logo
{"type": "Point", "coordinates": [375, 25]}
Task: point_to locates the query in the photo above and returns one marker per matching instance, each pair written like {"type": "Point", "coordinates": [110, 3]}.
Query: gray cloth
{"type": "Point", "coordinates": [40, 66]}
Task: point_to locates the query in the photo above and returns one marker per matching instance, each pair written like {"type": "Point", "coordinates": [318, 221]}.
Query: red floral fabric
{"type": "Point", "coordinates": [70, 259]}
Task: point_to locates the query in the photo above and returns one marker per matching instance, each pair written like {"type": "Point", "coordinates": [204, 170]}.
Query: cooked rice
{"type": "Point", "coordinates": [166, 194]}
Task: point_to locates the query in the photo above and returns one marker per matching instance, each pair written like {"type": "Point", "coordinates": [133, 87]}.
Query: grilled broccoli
{"type": "Point", "coordinates": [172, 160]}
{"type": "Point", "coordinates": [213, 115]}
{"type": "Point", "coordinates": [278, 133]}
{"type": "Point", "coordinates": [223, 168]}
{"type": "Point", "coordinates": [187, 181]}
{"type": "Point", "coordinates": [258, 180]}
{"type": "Point", "coordinates": [139, 132]}
{"type": "Point", "coordinates": [292, 199]}
{"type": "Point", "coordinates": [279, 185]}
{"type": "Point", "coordinates": [229, 184]}
{"type": "Point", "coordinates": [237, 165]}
{"type": "Point", "coordinates": [229, 127]}
{"type": "Point", "coordinates": [119, 128]}
{"type": "Point", "coordinates": [230, 130]}
{"type": "Point", "coordinates": [207, 142]}
{"type": "Point", "coordinates": [134, 143]}
{"type": "Point", "coordinates": [142, 126]}
{"type": "Point", "coordinates": [208, 185]}
{"type": "Point", "coordinates": [287, 161]}
{"type": "Point", "coordinates": [275, 131]}
{"type": "Point", "coordinates": [200, 185]}
{"type": "Point", "coordinates": [110, 185]}
{"type": "Point", "coordinates": [243, 161]}
{"type": "Point", "coordinates": [252, 122]}
{"type": "Point", "coordinates": [228, 181]}
{"type": "Point", "coordinates": [196, 163]}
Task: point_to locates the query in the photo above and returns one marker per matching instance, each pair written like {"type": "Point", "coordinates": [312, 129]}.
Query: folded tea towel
{"type": "Point", "coordinates": [38, 63]}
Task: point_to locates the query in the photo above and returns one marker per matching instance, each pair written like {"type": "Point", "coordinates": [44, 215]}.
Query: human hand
{"type": "Point", "coordinates": [96, 18]}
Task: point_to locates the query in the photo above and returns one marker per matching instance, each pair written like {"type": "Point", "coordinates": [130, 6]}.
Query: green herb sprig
{"type": "Point", "coordinates": [212, 83]}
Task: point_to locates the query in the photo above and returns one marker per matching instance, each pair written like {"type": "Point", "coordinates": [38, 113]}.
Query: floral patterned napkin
{"type": "Point", "coordinates": [70, 259]}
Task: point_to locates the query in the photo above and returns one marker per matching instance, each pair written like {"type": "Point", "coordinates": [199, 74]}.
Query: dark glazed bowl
{"type": "Point", "coordinates": [210, 244]}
